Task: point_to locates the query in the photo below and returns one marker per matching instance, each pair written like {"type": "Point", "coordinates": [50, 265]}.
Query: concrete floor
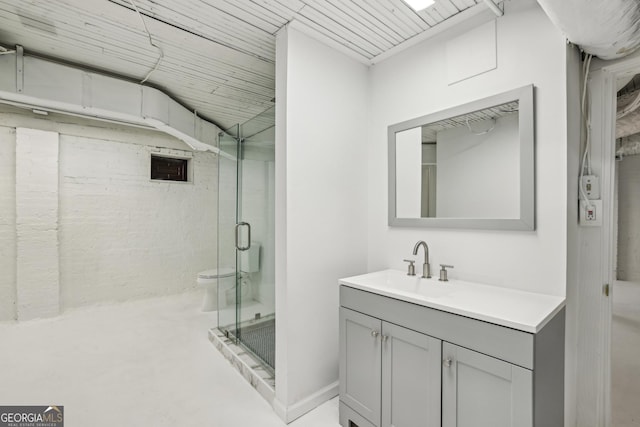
{"type": "Point", "coordinates": [625, 355]}
{"type": "Point", "coordinates": [139, 363]}
{"type": "Point", "coordinates": [150, 363]}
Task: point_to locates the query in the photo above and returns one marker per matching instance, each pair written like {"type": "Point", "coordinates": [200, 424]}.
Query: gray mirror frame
{"type": "Point", "coordinates": [525, 96]}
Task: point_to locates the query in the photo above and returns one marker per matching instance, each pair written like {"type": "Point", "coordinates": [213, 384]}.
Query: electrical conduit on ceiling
{"type": "Point", "coordinates": [37, 83]}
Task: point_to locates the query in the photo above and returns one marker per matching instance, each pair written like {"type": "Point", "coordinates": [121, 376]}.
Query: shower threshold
{"type": "Point", "coordinates": [258, 337]}
{"type": "Point", "coordinates": [251, 366]}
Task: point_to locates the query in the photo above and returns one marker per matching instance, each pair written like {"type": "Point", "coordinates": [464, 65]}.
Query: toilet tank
{"type": "Point", "coordinates": [250, 259]}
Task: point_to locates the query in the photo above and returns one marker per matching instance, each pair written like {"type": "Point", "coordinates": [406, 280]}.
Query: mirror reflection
{"type": "Point", "coordinates": [469, 166]}
{"type": "Point", "coordinates": [461, 167]}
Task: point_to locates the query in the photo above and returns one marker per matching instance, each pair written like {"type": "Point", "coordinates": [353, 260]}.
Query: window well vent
{"type": "Point", "coordinates": [169, 168]}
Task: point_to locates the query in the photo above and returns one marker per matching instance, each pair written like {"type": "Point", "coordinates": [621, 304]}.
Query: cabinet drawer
{"type": "Point", "coordinates": [513, 346]}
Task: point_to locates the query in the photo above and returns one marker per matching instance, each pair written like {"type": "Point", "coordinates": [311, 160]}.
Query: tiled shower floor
{"type": "Point", "coordinates": [260, 338]}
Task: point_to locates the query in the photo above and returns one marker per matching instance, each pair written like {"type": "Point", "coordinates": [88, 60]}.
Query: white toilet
{"type": "Point", "coordinates": [211, 279]}
{"type": "Point", "coordinates": [226, 279]}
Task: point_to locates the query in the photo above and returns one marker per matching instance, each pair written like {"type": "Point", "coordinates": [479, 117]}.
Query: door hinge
{"type": "Point", "coordinates": [605, 289]}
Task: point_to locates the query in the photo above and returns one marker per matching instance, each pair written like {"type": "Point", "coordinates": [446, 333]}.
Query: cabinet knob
{"type": "Point", "coordinates": [384, 338]}
{"type": "Point", "coordinates": [447, 362]}
{"type": "Point", "coordinates": [375, 333]}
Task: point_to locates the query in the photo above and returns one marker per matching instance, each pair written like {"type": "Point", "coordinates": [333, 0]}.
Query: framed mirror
{"type": "Point", "coordinates": [470, 166]}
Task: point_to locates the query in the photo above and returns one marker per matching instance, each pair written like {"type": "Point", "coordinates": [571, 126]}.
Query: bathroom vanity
{"type": "Point", "coordinates": [419, 352]}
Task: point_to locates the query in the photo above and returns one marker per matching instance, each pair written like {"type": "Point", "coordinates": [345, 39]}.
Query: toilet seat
{"type": "Point", "coordinates": [217, 273]}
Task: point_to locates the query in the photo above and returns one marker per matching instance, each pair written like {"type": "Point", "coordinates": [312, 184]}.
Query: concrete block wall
{"type": "Point", "coordinates": [124, 236]}
{"type": "Point", "coordinates": [118, 234]}
{"type": "Point", "coordinates": [37, 273]}
{"type": "Point", "coordinates": [7, 223]}
{"type": "Point", "coordinates": [629, 219]}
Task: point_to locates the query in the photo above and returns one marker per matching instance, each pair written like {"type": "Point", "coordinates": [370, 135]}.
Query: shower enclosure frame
{"type": "Point", "coordinates": [243, 316]}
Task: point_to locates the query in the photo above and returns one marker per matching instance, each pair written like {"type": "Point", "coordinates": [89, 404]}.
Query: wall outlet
{"type": "Point", "coordinates": [591, 213]}
{"type": "Point", "coordinates": [591, 186]}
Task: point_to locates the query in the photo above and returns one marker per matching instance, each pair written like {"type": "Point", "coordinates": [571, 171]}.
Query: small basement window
{"type": "Point", "coordinates": [169, 168]}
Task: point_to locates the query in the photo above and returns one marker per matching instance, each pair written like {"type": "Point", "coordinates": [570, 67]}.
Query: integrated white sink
{"type": "Point", "coordinates": [525, 311]}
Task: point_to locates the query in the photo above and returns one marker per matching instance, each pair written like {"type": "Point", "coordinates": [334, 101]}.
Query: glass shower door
{"type": "Point", "coordinates": [256, 236]}
{"type": "Point", "coordinates": [227, 218]}
{"type": "Point", "coordinates": [246, 236]}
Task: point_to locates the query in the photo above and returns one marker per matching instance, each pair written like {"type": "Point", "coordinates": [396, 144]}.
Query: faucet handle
{"type": "Point", "coordinates": [443, 272]}
{"type": "Point", "coordinates": [411, 270]}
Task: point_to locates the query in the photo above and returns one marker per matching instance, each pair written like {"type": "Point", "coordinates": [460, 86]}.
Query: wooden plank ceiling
{"type": "Point", "coordinates": [218, 56]}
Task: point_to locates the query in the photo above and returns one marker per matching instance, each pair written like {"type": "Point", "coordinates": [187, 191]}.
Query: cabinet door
{"type": "Point", "coordinates": [411, 376]}
{"type": "Point", "coordinates": [482, 391]}
{"type": "Point", "coordinates": [360, 363]}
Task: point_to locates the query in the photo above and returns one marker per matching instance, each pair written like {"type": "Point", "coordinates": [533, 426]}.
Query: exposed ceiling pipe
{"type": "Point", "coordinates": [628, 146]}
{"type": "Point", "coordinates": [494, 7]}
{"type": "Point", "coordinates": [629, 108]}
{"type": "Point", "coordinates": [628, 125]}
{"type": "Point", "coordinates": [606, 29]}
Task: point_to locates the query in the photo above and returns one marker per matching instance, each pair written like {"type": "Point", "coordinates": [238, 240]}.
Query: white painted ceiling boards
{"type": "Point", "coordinates": [218, 56]}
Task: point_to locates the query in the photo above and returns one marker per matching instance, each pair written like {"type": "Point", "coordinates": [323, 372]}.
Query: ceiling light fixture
{"type": "Point", "coordinates": [419, 5]}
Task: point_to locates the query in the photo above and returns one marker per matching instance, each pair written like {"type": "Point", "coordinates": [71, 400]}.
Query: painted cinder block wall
{"type": "Point", "coordinates": [118, 234]}
{"type": "Point", "coordinates": [7, 223]}
{"type": "Point", "coordinates": [37, 225]}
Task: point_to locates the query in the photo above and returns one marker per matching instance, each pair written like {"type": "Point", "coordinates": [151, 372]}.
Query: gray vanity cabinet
{"type": "Point", "coordinates": [406, 365]}
{"type": "Point", "coordinates": [410, 378]}
{"type": "Point", "coordinates": [360, 363]}
{"type": "Point", "coordinates": [389, 375]}
{"type": "Point", "coordinates": [482, 391]}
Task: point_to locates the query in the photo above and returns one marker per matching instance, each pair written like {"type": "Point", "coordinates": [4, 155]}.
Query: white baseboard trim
{"type": "Point", "coordinates": [298, 409]}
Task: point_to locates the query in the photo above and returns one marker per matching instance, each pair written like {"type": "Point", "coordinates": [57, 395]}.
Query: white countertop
{"type": "Point", "coordinates": [525, 311]}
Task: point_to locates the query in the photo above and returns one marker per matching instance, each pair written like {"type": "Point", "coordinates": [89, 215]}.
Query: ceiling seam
{"type": "Point", "coordinates": [260, 57]}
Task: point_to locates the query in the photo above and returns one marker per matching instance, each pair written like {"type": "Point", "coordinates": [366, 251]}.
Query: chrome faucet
{"type": "Point", "coordinates": [426, 268]}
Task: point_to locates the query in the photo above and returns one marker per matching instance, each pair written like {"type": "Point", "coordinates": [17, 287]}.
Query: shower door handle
{"type": "Point", "coordinates": [238, 225]}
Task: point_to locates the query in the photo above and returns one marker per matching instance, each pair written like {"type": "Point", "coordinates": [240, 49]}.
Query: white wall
{"type": "Point", "coordinates": [478, 175]}
{"type": "Point", "coordinates": [409, 176]}
{"type": "Point", "coordinates": [7, 223]}
{"type": "Point", "coordinates": [124, 236]}
{"type": "Point", "coordinates": [629, 218]}
{"type": "Point", "coordinates": [119, 234]}
{"type": "Point", "coordinates": [321, 157]}
{"type": "Point", "coordinates": [573, 283]}
{"type": "Point", "coordinates": [414, 83]}
{"type": "Point", "coordinates": [37, 269]}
